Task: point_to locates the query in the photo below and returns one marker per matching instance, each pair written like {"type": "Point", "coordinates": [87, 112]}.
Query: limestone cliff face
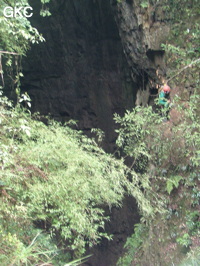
{"type": "Point", "coordinates": [142, 31]}
{"type": "Point", "coordinates": [80, 72]}
{"type": "Point", "coordinates": [98, 54]}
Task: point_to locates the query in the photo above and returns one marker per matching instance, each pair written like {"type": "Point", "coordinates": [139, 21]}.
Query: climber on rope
{"type": "Point", "coordinates": [164, 99]}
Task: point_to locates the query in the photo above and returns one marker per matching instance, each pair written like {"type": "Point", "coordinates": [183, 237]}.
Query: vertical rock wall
{"type": "Point", "coordinates": [97, 56]}
{"type": "Point", "coordinates": [80, 72]}
{"type": "Point", "coordinates": [98, 59]}
{"type": "Point", "coordinates": [142, 31]}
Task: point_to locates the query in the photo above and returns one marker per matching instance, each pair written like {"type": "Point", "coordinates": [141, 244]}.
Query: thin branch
{"type": "Point", "coordinates": [8, 3]}
{"type": "Point", "coordinates": [1, 71]}
{"type": "Point", "coordinates": [6, 52]}
{"type": "Point", "coordinates": [192, 63]}
{"type": "Point", "coordinates": [1, 68]}
{"type": "Point", "coordinates": [4, 117]}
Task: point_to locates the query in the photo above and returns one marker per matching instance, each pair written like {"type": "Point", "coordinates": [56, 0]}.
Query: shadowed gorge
{"type": "Point", "coordinates": [90, 67]}
{"type": "Point", "coordinates": [80, 72]}
{"type": "Point", "coordinates": [100, 133]}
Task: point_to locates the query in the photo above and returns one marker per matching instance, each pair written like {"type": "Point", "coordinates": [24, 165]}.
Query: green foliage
{"type": "Point", "coordinates": [140, 139]}
{"type": "Point", "coordinates": [184, 240]}
{"type": "Point", "coordinates": [16, 37]}
{"type": "Point", "coordinates": [173, 182]}
{"type": "Point", "coordinates": [99, 134]}
{"type": "Point", "coordinates": [182, 47]}
{"type": "Point", "coordinates": [144, 4]}
{"type": "Point", "coordinates": [133, 244]}
{"type": "Point", "coordinates": [78, 261]}
{"type": "Point", "coordinates": [16, 34]}
{"type": "Point", "coordinates": [135, 134]}
{"type": "Point", "coordinates": [79, 179]}
{"type": "Point", "coordinates": [55, 182]}
{"type": "Point", "coordinates": [193, 223]}
{"type": "Point", "coordinates": [56, 179]}
{"type": "Point", "coordinates": [25, 98]}
{"type": "Point", "coordinates": [193, 258]}
{"type": "Point", "coordinates": [44, 12]}
{"type": "Point", "coordinates": [172, 161]}
{"type": "Point", "coordinates": [195, 196]}
{"type": "Point", "coordinates": [16, 252]}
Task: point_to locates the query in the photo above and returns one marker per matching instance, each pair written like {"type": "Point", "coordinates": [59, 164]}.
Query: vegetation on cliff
{"type": "Point", "coordinates": [169, 155]}
{"type": "Point", "coordinates": [55, 182]}
{"type": "Point", "coordinates": [54, 185]}
{"type": "Point", "coordinates": [170, 152]}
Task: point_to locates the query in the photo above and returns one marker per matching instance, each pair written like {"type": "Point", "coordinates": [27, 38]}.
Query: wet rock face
{"type": "Point", "coordinates": [98, 54]}
{"type": "Point", "coordinates": [80, 72]}
{"type": "Point", "coordinates": [142, 31]}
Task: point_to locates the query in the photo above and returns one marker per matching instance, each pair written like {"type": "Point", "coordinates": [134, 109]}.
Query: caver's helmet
{"type": "Point", "coordinates": [166, 89]}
